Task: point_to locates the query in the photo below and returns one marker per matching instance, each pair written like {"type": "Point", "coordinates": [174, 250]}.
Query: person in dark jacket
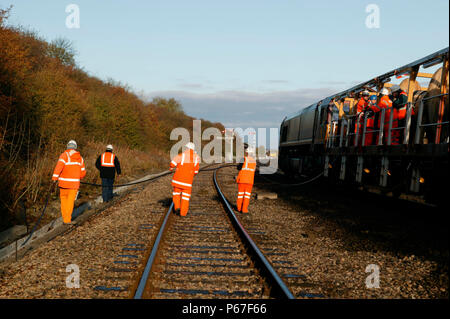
{"type": "Point", "coordinates": [108, 164]}
{"type": "Point", "coordinates": [399, 103]}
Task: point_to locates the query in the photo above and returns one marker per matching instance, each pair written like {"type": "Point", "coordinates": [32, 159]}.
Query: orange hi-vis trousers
{"type": "Point", "coordinates": [67, 196]}
{"type": "Point", "coordinates": [181, 197]}
{"type": "Point", "coordinates": [243, 198]}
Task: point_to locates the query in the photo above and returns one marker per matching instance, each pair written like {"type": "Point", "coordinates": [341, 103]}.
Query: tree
{"type": "Point", "coordinates": [170, 105]}
{"type": "Point", "coordinates": [63, 50]}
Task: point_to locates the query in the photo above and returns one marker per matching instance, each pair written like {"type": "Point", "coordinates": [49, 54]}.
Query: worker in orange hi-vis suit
{"type": "Point", "coordinates": [245, 182]}
{"type": "Point", "coordinates": [360, 107]}
{"type": "Point", "coordinates": [187, 165]}
{"type": "Point", "coordinates": [68, 172]}
{"type": "Point", "coordinates": [363, 102]}
{"type": "Point", "coordinates": [386, 103]}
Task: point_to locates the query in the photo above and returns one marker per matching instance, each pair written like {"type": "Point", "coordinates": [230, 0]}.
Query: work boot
{"type": "Point", "coordinates": [177, 212]}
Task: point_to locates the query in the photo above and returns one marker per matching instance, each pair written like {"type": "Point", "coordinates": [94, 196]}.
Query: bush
{"type": "Point", "coordinates": [46, 100]}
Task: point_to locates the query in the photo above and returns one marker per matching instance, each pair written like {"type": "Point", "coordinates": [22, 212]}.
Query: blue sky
{"type": "Point", "coordinates": [243, 63]}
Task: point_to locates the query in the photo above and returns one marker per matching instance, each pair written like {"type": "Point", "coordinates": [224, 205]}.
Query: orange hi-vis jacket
{"type": "Point", "coordinates": [385, 102]}
{"type": "Point", "coordinates": [107, 159]}
{"type": "Point", "coordinates": [187, 165]}
{"type": "Point", "coordinates": [361, 106]}
{"type": "Point", "coordinates": [247, 173]}
{"type": "Point", "coordinates": [69, 170]}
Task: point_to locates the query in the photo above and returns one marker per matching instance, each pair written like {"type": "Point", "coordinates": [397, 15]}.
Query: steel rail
{"type": "Point", "coordinates": [149, 264]}
{"type": "Point", "coordinates": [143, 281]}
{"type": "Point", "coordinates": [279, 288]}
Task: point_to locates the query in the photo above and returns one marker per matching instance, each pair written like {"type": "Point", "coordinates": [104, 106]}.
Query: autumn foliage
{"type": "Point", "coordinates": [46, 100]}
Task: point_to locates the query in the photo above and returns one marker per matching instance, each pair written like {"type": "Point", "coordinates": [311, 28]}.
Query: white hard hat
{"type": "Point", "coordinates": [109, 147]}
{"type": "Point", "coordinates": [365, 92]}
{"type": "Point", "coordinates": [384, 91]}
{"type": "Point", "coordinates": [190, 146]}
{"type": "Point", "coordinates": [395, 88]}
{"type": "Point", "coordinates": [72, 145]}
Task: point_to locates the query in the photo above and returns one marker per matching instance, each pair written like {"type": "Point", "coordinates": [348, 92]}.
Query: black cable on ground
{"type": "Point", "coordinates": [128, 184]}
{"type": "Point", "coordinates": [51, 191]}
{"type": "Point", "coordinates": [296, 184]}
{"type": "Point", "coordinates": [147, 180]}
{"type": "Point", "coordinates": [213, 169]}
{"type": "Point", "coordinates": [93, 184]}
{"type": "Point", "coordinates": [40, 217]}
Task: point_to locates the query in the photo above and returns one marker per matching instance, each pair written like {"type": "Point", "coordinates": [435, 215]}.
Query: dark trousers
{"type": "Point", "coordinates": [107, 189]}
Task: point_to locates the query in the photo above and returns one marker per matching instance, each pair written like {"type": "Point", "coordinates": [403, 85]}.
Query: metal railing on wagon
{"type": "Point", "coordinates": [350, 127]}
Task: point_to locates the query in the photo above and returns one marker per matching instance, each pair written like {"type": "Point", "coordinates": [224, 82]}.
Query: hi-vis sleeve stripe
{"type": "Point", "coordinates": [68, 157]}
{"type": "Point", "coordinates": [69, 179]}
{"type": "Point", "coordinates": [385, 103]}
{"type": "Point", "coordinates": [61, 160]}
{"type": "Point", "coordinates": [55, 175]}
{"type": "Point", "coordinates": [174, 163]}
{"type": "Point", "coordinates": [73, 163]}
{"type": "Point", "coordinates": [180, 183]}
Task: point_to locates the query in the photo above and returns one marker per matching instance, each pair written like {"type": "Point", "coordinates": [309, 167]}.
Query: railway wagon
{"type": "Point", "coordinates": [329, 137]}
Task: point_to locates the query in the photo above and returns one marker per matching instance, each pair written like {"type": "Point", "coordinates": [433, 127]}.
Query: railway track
{"type": "Point", "coordinates": [319, 250]}
{"type": "Point", "coordinates": [207, 254]}
{"type": "Point", "coordinates": [278, 237]}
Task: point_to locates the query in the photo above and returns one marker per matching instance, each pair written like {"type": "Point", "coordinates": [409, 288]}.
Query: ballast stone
{"type": "Point", "coordinates": [266, 195]}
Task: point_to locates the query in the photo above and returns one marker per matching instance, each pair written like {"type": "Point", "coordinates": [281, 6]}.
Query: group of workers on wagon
{"type": "Point", "coordinates": [368, 120]}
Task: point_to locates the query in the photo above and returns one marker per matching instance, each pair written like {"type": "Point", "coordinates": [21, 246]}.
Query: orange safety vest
{"type": "Point", "coordinates": [247, 173]}
{"type": "Point", "coordinates": [107, 159]}
{"type": "Point", "coordinates": [69, 170]}
{"type": "Point", "coordinates": [187, 165]}
{"type": "Point", "coordinates": [361, 106]}
{"type": "Point", "coordinates": [385, 102]}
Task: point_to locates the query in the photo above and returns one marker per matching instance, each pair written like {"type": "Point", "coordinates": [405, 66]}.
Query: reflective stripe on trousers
{"type": "Point", "coordinates": [181, 197]}
{"type": "Point", "coordinates": [244, 195]}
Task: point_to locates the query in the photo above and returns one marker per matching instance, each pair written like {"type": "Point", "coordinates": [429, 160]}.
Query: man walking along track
{"type": "Point", "coordinates": [108, 164]}
{"type": "Point", "coordinates": [68, 172]}
{"type": "Point", "coordinates": [187, 165]}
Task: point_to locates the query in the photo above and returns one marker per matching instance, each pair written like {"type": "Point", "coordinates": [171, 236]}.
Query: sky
{"type": "Point", "coordinates": [243, 63]}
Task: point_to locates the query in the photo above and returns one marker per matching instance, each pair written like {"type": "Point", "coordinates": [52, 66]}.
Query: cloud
{"type": "Point", "coordinates": [191, 85]}
{"type": "Point", "coordinates": [235, 108]}
{"type": "Point", "coordinates": [333, 82]}
{"type": "Point", "coordinates": [276, 81]}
